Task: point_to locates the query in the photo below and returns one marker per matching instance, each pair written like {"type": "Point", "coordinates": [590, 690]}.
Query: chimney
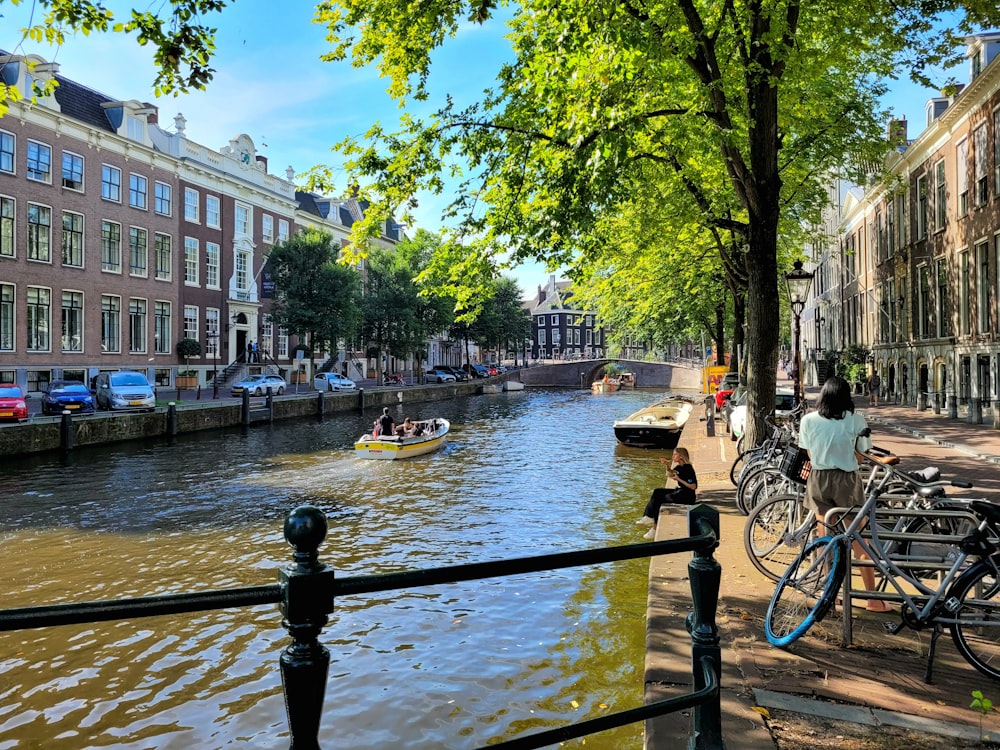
{"type": "Point", "coordinates": [896, 132]}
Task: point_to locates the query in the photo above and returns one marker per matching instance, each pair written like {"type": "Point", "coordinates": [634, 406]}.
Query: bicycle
{"type": "Point", "coordinates": [966, 597]}
{"type": "Point", "coordinates": [778, 528]}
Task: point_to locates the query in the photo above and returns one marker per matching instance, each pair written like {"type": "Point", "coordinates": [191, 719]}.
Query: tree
{"type": "Point", "coordinates": [316, 296]}
{"type": "Point", "coordinates": [188, 348]}
{"type": "Point", "coordinates": [602, 95]}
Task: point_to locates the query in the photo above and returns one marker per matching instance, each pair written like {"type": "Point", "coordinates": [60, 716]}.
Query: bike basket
{"type": "Point", "coordinates": [795, 464]}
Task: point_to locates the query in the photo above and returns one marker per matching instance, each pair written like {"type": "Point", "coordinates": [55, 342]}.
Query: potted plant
{"type": "Point", "coordinates": [187, 348]}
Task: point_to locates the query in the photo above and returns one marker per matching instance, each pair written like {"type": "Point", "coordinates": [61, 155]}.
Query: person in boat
{"type": "Point", "coordinates": [682, 472]}
{"type": "Point", "coordinates": [386, 425]}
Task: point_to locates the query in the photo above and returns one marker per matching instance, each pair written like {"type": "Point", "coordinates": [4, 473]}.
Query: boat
{"type": "Point", "coordinates": [605, 385]}
{"type": "Point", "coordinates": [491, 388]}
{"type": "Point", "coordinates": [394, 446]}
{"type": "Point", "coordinates": [658, 425]}
{"type": "Point", "coordinates": [513, 385]}
{"type": "Point", "coordinates": [626, 380]}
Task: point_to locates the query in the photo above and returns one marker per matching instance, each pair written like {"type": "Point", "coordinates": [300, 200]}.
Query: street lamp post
{"type": "Point", "coordinates": [798, 282]}
{"type": "Point", "coordinates": [213, 347]}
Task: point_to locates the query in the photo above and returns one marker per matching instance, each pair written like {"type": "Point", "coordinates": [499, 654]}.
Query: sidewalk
{"type": "Point", "coordinates": [876, 680]}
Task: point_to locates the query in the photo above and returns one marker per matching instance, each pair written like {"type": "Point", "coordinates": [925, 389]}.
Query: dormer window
{"type": "Point", "coordinates": [135, 128]}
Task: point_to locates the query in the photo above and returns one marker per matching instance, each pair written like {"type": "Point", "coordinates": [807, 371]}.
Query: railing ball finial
{"type": "Point", "coordinates": [305, 530]}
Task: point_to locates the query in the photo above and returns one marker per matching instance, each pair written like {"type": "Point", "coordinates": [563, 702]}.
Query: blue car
{"type": "Point", "coordinates": [67, 395]}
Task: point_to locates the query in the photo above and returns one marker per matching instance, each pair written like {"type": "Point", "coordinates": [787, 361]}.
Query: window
{"type": "Point", "coordinates": [72, 171]}
{"type": "Point", "coordinates": [213, 216]}
{"type": "Point", "coordinates": [212, 331]}
{"type": "Point", "coordinates": [111, 324]}
{"type": "Point", "coordinates": [943, 324]}
{"type": "Point", "coordinates": [890, 218]}
{"type": "Point", "coordinates": [7, 208]}
{"type": "Point", "coordinates": [190, 205]}
{"type": "Point", "coordinates": [924, 302]}
{"type": "Point", "coordinates": [940, 194]}
{"type": "Point", "coordinates": [981, 173]}
{"type": "Point", "coordinates": [242, 270]}
{"type": "Point", "coordinates": [267, 334]}
{"type": "Point", "coordinates": [111, 247]}
{"type": "Point", "coordinates": [163, 250]}
{"type": "Point", "coordinates": [72, 321]}
{"type": "Point", "coordinates": [191, 322]}
{"type": "Point", "coordinates": [137, 191]}
{"type": "Point", "coordinates": [282, 343]}
{"type": "Point", "coordinates": [542, 339]}
{"type": "Point", "coordinates": [282, 230]}
{"type": "Point", "coordinates": [962, 171]}
{"type": "Point", "coordinates": [39, 228]}
{"type": "Point", "coordinates": [191, 261]}
{"type": "Point", "coordinates": [137, 326]}
{"type": "Point", "coordinates": [72, 239]}
{"type": "Point", "coordinates": [964, 321]}
{"type": "Point", "coordinates": [267, 227]}
{"type": "Point", "coordinates": [242, 219]}
{"type": "Point", "coordinates": [996, 152]}
{"type": "Point", "coordinates": [162, 197]}
{"type": "Point", "coordinates": [38, 311]}
{"type": "Point", "coordinates": [6, 317]}
{"type": "Point", "coordinates": [111, 183]}
{"type": "Point", "coordinates": [556, 337]}
{"type": "Point", "coordinates": [983, 285]}
{"type": "Point", "coordinates": [137, 252]}
{"type": "Point", "coordinates": [211, 265]}
{"type": "Point", "coordinates": [39, 162]}
{"type": "Point", "coordinates": [134, 128]}
{"type": "Point", "coordinates": [6, 152]}
{"type": "Point", "coordinates": [161, 327]}
{"type": "Point", "coordinates": [921, 207]}
{"type": "Point", "coordinates": [554, 320]}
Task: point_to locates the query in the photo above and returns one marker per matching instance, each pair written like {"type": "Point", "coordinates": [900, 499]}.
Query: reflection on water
{"type": "Point", "coordinates": [524, 473]}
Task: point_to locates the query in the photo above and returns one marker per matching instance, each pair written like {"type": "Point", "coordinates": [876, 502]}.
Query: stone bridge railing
{"type": "Point", "coordinates": [580, 373]}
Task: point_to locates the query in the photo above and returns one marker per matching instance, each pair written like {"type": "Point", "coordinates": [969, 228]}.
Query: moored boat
{"type": "Point", "coordinates": [658, 425]}
{"type": "Point", "coordinates": [513, 385]}
{"type": "Point", "coordinates": [394, 446]}
{"type": "Point", "coordinates": [606, 385]}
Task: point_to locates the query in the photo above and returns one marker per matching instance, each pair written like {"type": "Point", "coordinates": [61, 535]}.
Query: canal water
{"type": "Point", "coordinates": [450, 666]}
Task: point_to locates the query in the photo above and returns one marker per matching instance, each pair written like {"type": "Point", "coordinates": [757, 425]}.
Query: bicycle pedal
{"type": "Point", "coordinates": [893, 628]}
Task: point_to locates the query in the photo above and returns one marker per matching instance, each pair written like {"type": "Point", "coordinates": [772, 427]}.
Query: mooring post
{"type": "Point", "coordinates": [308, 600]}
{"type": "Point", "coordinates": [66, 431]}
{"type": "Point", "coordinates": [245, 414]}
{"type": "Point", "coordinates": [171, 419]}
{"type": "Point", "coordinates": [320, 405]}
{"type": "Point", "coordinates": [361, 399]}
{"type": "Point", "coordinates": [705, 574]}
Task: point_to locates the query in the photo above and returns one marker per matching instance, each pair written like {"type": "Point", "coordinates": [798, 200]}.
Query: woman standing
{"type": "Point", "coordinates": [831, 435]}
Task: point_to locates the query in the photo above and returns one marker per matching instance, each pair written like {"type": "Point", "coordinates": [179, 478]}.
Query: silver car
{"type": "Point", "coordinates": [260, 385]}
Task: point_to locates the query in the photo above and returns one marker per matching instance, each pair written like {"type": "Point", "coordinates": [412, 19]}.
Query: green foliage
{"type": "Point", "coordinates": [317, 297]}
{"type": "Point", "coordinates": [188, 348]}
{"type": "Point", "coordinates": [983, 705]}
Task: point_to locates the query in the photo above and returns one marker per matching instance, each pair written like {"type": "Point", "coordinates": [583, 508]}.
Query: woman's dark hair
{"type": "Point", "coordinates": [835, 399]}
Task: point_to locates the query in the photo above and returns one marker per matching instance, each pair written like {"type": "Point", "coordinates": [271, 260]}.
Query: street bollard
{"type": "Point", "coordinates": [952, 406]}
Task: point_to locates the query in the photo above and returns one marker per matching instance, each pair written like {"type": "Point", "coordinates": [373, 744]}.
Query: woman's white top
{"type": "Point", "coordinates": [831, 442]}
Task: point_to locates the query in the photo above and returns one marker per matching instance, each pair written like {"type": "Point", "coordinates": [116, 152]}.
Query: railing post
{"type": "Point", "coordinates": [308, 599]}
{"type": "Point", "coordinates": [705, 574]}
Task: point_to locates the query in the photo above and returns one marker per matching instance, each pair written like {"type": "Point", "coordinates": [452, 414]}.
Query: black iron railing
{"type": "Point", "coordinates": [306, 592]}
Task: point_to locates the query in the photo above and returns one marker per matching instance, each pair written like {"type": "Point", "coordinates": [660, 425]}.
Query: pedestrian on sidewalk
{"type": "Point", "coordinates": [874, 384]}
{"type": "Point", "coordinates": [682, 472]}
{"type": "Point", "coordinates": [831, 436]}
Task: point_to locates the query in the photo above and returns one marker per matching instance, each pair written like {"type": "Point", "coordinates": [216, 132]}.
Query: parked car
{"type": "Point", "coordinates": [332, 381]}
{"type": "Point", "coordinates": [460, 375]}
{"type": "Point", "coordinates": [12, 402]}
{"type": "Point", "coordinates": [437, 375]}
{"type": "Point", "coordinates": [67, 395]}
{"type": "Point", "coordinates": [260, 385]}
{"type": "Point", "coordinates": [123, 390]}
{"type": "Point", "coordinates": [476, 371]}
{"type": "Point", "coordinates": [784, 402]}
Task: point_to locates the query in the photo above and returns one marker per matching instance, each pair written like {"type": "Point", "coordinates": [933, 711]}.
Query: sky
{"type": "Point", "coordinates": [271, 85]}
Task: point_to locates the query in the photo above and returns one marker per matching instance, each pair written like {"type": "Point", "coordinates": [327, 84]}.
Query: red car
{"type": "Point", "coordinates": [721, 397]}
{"type": "Point", "coordinates": [12, 403]}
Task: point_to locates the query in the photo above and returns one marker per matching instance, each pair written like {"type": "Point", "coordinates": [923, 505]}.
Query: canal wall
{"type": "Point", "coordinates": [41, 434]}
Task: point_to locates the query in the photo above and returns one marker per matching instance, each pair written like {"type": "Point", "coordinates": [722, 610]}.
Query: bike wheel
{"type": "Point", "coordinates": [753, 483]}
{"type": "Point", "coordinates": [976, 632]}
{"type": "Point", "coordinates": [776, 532]}
{"type": "Point", "coordinates": [909, 552]}
{"type": "Point", "coordinates": [737, 467]}
{"type": "Point", "coordinates": [806, 591]}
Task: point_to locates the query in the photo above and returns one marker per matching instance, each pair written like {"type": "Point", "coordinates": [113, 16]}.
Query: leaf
{"type": "Point", "coordinates": [762, 711]}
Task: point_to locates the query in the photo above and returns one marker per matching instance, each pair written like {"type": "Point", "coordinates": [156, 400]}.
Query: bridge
{"type": "Point", "coordinates": [580, 373]}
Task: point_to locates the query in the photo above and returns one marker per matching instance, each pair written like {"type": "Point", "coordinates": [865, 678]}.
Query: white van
{"type": "Point", "coordinates": [125, 390]}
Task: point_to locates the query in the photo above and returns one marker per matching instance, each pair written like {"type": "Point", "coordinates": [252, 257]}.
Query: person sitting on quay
{"type": "Point", "coordinates": [681, 472]}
